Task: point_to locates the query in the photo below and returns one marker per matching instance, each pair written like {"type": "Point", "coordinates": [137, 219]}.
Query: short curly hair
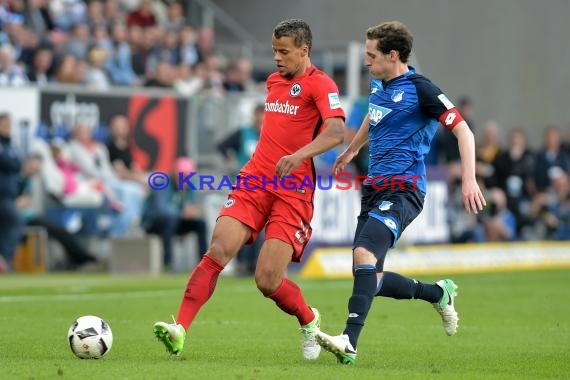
{"type": "Point", "coordinates": [298, 29]}
{"type": "Point", "coordinates": [392, 35]}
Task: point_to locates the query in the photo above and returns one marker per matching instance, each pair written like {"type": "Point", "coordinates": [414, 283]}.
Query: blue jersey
{"type": "Point", "coordinates": [404, 117]}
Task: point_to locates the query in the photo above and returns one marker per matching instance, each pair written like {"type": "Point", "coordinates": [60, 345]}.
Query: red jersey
{"type": "Point", "coordinates": [295, 110]}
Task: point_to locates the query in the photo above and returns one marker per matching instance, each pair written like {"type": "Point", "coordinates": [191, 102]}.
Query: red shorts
{"type": "Point", "coordinates": [287, 219]}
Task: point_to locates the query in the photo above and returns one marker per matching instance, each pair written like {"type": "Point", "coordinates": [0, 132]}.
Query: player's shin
{"type": "Point", "coordinates": [399, 287]}
{"type": "Point", "coordinates": [364, 288]}
{"type": "Point", "coordinates": [200, 287]}
{"type": "Point", "coordinates": [288, 297]}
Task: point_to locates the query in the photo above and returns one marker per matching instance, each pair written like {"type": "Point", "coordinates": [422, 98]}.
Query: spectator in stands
{"type": "Point", "coordinates": [175, 16]}
{"type": "Point", "coordinates": [11, 30]}
{"type": "Point", "coordinates": [78, 42]}
{"type": "Point", "coordinates": [96, 77]}
{"type": "Point", "coordinates": [11, 74]}
{"type": "Point", "coordinates": [489, 145]}
{"type": "Point", "coordinates": [100, 37]}
{"type": "Point", "coordinates": [119, 149]}
{"type": "Point", "coordinates": [95, 14]}
{"type": "Point", "coordinates": [164, 76]}
{"type": "Point", "coordinates": [463, 227]}
{"type": "Point", "coordinates": [549, 157]}
{"type": "Point", "coordinates": [114, 13]}
{"type": "Point", "coordinates": [37, 17]}
{"type": "Point", "coordinates": [168, 51]}
{"type": "Point", "coordinates": [487, 150]}
{"type": "Point", "coordinates": [10, 222]}
{"type": "Point", "coordinates": [214, 78]}
{"type": "Point", "coordinates": [40, 72]}
{"type": "Point", "coordinates": [551, 208]}
{"type": "Point", "coordinates": [174, 211]}
{"type": "Point", "coordinates": [93, 159]}
{"type": "Point", "coordinates": [119, 63]}
{"type": "Point", "coordinates": [75, 252]}
{"type": "Point", "coordinates": [30, 42]}
{"type": "Point", "coordinates": [190, 80]}
{"type": "Point", "coordinates": [58, 40]}
{"type": "Point", "coordinates": [238, 76]}
{"type": "Point", "coordinates": [67, 13]}
{"type": "Point", "coordinates": [143, 15]}
{"type": "Point", "coordinates": [142, 53]}
{"type": "Point", "coordinates": [188, 50]}
{"type": "Point", "coordinates": [498, 222]}
{"type": "Point", "coordinates": [559, 206]}
{"type": "Point", "coordinates": [76, 190]}
{"type": "Point", "coordinates": [68, 71]}
{"type": "Point", "coordinates": [513, 171]}
{"type": "Point", "coordinates": [205, 43]}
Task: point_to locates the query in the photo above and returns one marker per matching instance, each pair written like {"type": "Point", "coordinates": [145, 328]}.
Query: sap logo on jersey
{"type": "Point", "coordinates": [376, 113]}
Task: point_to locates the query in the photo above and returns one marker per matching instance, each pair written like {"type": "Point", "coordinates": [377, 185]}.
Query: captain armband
{"type": "Point", "coordinates": [450, 118]}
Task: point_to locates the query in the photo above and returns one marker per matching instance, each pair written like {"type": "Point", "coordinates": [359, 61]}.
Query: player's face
{"type": "Point", "coordinates": [379, 64]}
{"type": "Point", "coordinates": [290, 59]}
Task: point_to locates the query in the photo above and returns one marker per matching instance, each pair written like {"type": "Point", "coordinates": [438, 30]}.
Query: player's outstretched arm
{"type": "Point", "coordinates": [472, 197]}
{"type": "Point", "coordinates": [358, 141]}
{"type": "Point", "coordinates": [332, 136]}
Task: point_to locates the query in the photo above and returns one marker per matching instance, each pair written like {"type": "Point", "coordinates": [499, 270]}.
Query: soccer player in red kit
{"type": "Point", "coordinates": [303, 118]}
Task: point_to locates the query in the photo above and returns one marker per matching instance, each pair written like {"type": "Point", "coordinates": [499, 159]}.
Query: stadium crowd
{"type": "Point", "coordinates": [103, 43]}
{"type": "Point", "coordinates": [95, 188]}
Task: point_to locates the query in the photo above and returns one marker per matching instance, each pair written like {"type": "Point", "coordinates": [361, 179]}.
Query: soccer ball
{"type": "Point", "coordinates": [90, 337]}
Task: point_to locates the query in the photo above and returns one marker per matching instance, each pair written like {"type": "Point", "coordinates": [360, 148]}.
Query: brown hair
{"type": "Point", "coordinates": [392, 35]}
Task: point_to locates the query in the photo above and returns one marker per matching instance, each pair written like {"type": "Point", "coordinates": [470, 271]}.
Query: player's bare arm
{"type": "Point", "coordinates": [472, 197]}
{"type": "Point", "coordinates": [332, 135]}
{"type": "Point", "coordinates": [359, 140]}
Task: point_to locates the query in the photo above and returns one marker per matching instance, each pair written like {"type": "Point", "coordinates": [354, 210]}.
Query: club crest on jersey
{"type": "Point", "coordinates": [295, 90]}
{"type": "Point", "coordinates": [376, 113]}
{"type": "Point", "coordinates": [385, 206]}
{"type": "Point", "coordinates": [397, 96]}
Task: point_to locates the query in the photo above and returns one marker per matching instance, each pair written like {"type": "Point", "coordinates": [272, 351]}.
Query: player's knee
{"type": "Point", "coordinates": [220, 252]}
{"type": "Point", "coordinates": [267, 281]}
{"type": "Point", "coordinates": [363, 256]}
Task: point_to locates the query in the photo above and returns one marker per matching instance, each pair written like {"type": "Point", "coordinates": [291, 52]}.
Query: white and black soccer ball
{"type": "Point", "coordinates": [90, 337]}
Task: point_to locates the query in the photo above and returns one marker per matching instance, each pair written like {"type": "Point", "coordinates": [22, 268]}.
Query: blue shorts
{"type": "Point", "coordinates": [396, 209]}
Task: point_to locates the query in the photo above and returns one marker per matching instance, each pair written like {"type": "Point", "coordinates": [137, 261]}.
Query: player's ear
{"type": "Point", "coordinates": [305, 50]}
{"type": "Point", "coordinates": [394, 55]}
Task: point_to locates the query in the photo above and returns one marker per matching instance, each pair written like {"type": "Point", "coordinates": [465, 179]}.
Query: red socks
{"type": "Point", "coordinates": [200, 287]}
{"type": "Point", "coordinates": [202, 283]}
{"type": "Point", "coordinates": [289, 298]}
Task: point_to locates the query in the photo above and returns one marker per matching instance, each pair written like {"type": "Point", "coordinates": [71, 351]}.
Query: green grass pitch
{"type": "Point", "coordinates": [513, 326]}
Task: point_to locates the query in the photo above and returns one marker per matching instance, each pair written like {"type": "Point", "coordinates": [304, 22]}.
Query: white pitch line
{"type": "Point", "coordinates": [146, 294]}
{"type": "Point", "coordinates": [87, 296]}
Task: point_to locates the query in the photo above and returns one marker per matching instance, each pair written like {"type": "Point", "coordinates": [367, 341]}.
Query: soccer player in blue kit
{"type": "Point", "coordinates": [405, 109]}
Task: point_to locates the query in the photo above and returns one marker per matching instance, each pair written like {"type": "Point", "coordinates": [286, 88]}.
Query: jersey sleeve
{"type": "Point", "coordinates": [435, 104]}
{"type": "Point", "coordinates": [327, 99]}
